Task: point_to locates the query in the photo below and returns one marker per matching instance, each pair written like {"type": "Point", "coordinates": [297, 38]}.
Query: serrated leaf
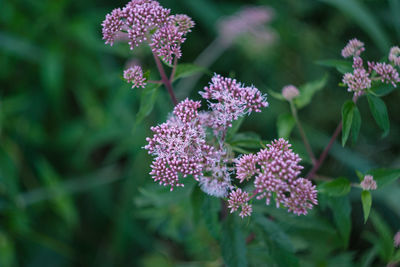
{"type": "Point", "coordinates": [379, 112]}
{"type": "Point", "coordinates": [343, 66]}
{"type": "Point", "coordinates": [285, 125]}
{"type": "Point", "coordinates": [308, 90]}
{"type": "Point", "coordinates": [366, 201]}
{"type": "Point", "coordinates": [384, 177]}
{"type": "Point", "coordinates": [347, 119]}
{"type": "Point", "coordinates": [147, 100]}
{"type": "Point", "coordinates": [356, 125]}
{"type": "Point", "coordinates": [233, 243]}
{"type": "Point", "coordinates": [186, 70]}
{"type": "Point", "coordinates": [335, 188]}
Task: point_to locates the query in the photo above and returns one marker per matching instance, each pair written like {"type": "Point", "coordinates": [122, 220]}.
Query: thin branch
{"type": "Point", "coordinates": [302, 134]}
{"type": "Point", "coordinates": [171, 77]}
{"type": "Point", "coordinates": [165, 80]}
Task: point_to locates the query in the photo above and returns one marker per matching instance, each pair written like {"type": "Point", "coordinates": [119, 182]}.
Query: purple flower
{"type": "Point", "coordinates": [239, 199]}
{"type": "Point", "coordinates": [134, 75]}
{"type": "Point", "coordinates": [354, 48]}
{"type": "Point", "coordinates": [289, 92]}
{"type": "Point", "coordinates": [394, 55]}
{"type": "Point", "coordinates": [276, 172]}
{"type": "Point", "coordinates": [183, 22]}
{"type": "Point", "coordinates": [386, 72]}
{"type": "Point", "coordinates": [166, 42]}
{"type": "Point", "coordinates": [358, 81]}
{"type": "Point", "coordinates": [368, 183]}
{"type": "Point", "coordinates": [233, 100]}
{"type": "Point", "coordinates": [136, 19]}
{"type": "Point", "coordinates": [179, 146]}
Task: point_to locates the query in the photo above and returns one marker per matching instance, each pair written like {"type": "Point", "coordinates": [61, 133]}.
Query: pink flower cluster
{"type": "Point", "coordinates": [275, 170]}
{"type": "Point", "coordinates": [233, 100]}
{"type": "Point", "coordinates": [147, 20]}
{"type": "Point", "coordinates": [361, 79]}
{"type": "Point", "coordinates": [289, 92]}
{"type": "Point", "coordinates": [134, 75]}
{"type": "Point", "coordinates": [239, 199]}
{"type": "Point", "coordinates": [368, 183]}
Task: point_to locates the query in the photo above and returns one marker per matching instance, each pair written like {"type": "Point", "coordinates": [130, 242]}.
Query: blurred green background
{"type": "Point", "coordinates": [74, 183]}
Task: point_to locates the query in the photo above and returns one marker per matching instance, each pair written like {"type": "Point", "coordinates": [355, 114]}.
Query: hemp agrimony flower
{"type": "Point", "coordinates": [290, 92]}
{"type": "Point", "coordinates": [239, 199]}
{"type": "Point", "coordinates": [134, 75]}
{"type": "Point", "coordinates": [368, 183]}
{"type": "Point", "coordinates": [394, 55]}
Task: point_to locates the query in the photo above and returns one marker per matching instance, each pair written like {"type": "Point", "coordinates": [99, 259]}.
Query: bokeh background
{"type": "Point", "coordinates": [74, 183]}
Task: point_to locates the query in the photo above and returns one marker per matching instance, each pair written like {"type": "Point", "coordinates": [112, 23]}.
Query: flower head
{"type": "Point", "coordinates": [183, 22]}
{"type": "Point", "coordinates": [354, 48]}
{"type": "Point", "coordinates": [166, 42]}
{"type": "Point", "coordinates": [239, 199]}
{"type": "Point", "coordinates": [394, 55]}
{"type": "Point", "coordinates": [134, 75]}
{"type": "Point", "coordinates": [358, 81]}
{"type": "Point", "coordinates": [112, 25]}
{"type": "Point", "coordinates": [179, 146]}
{"type": "Point", "coordinates": [246, 167]}
{"type": "Point", "coordinates": [289, 92]}
{"type": "Point", "coordinates": [233, 100]}
{"type": "Point", "coordinates": [368, 183]}
{"type": "Point", "coordinates": [386, 72]}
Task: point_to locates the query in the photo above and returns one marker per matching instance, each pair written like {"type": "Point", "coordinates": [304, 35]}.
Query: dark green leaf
{"type": "Point", "coordinates": [343, 66]}
{"type": "Point", "coordinates": [341, 210]}
{"type": "Point", "coordinates": [233, 243]}
{"type": "Point", "coordinates": [379, 111]}
{"type": "Point", "coordinates": [147, 100]}
{"type": "Point", "coordinates": [356, 125]}
{"type": "Point", "coordinates": [381, 89]}
{"type": "Point", "coordinates": [186, 70]}
{"type": "Point", "coordinates": [308, 90]}
{"type": "Point", "coordinates": [274, 232]}
{"type": "Point", "coordinates": [385, 239]}
{"type": "Point", "coordinates": [285, 125]}
{"type": "Point", "coordinates": [335, 188]}
{"type": "Point", "coordinates": [384, 176]}
{"type": "Point", "coordinates": [246, 140]}
{"type": "Point", "coordinates": [234, 129]}
{"type": "Point", "coordinates": [210, 212]}
{"type": "Point", "coordinates": [347, 119]}
{"type": "Point", "coordinates": [366, 201]}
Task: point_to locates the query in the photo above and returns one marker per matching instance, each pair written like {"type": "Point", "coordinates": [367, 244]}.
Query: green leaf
{"type": "Point", "coordinates": [341, 210]}
{"type": "Point", "coordinates": [7, 251]}
{"type": "Point", "coordinates": [347, 119]}
{"type": "Point", "coordinates": [234, 129]}
{"type": "Point", "coordinates": [343, 66]}
{"type": "Point", "coordinates": [379, 112]}
{"type": "Point", "coordinates": [210, 212]}
{"type": "Point", "coordinates": [233, 243]}
{"type": "Point", "coordinates": [186, 70]}
{"type": "Point", "coordinates": [147, 100]}
{"type": "Point", "coordinates": [246, 140]}
{"type": "Point", "coordinates": [335, 188]}
{"type": "Point", "coordinates": [364, 18]}
{"type": "Point", "coordinates": [308, 90]}
{"type": "Point", "coordinates": [384, 176]}
{"type": "Point", "coordinates": [381, 89]}
{"type": "Point", "coordinates": [385, 239]}
{"type": "Point", "coordinates": [366, 201]}
{"type": "Point", "coordinates": [356, 125]}
{"type": "Point", "coordinates": [285, 125]}
{"type": "Point", "coordinates": [276, 95]}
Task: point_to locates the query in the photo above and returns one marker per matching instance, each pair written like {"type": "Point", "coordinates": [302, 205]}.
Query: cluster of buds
{"type": "Point", "coordinates": [368, 183]}
{"type": "Point", "coordinates": [146, 21]}
{"type": "Point", "coordinates": [361, 79]}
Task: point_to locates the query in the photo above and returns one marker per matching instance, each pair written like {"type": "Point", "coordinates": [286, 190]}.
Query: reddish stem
{"type": "Point", "coordinates": [165, 80]}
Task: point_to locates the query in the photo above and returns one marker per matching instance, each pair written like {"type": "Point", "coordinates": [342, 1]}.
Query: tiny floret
{"type": "Point", "coordinates": [394, 55]}
{"type": "Point", "coordinates": [239, 199]}
{"type": "Point", "coordinates": [354, 48]}
{"type": "Point", "coordinates": [368, 183]}
{"type": "Point", "coordinates": [358, 81]}
{"type": "Point", "coordinates": [386, 72]}
{"type": "Point", "coordinates": [290, 92]}
{"type": "Point", "coordinates": [134, 75]}
{"type": "Point", "coordinates": [166, 42]}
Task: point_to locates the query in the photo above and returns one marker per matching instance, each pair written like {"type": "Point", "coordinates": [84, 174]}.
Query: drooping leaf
{"type": "Point", "coordinates": [384, 177]}
{"type": "Point", "coordinates": [308, 90]}
{"type": "Point", "coordinates": [379, 112]}
{"type": "Point", "coordinates": [147, 100]}
{"type": "Point", "coordinates": [285, 125]}
{"type": "Point", "coordinates": [356, 125]}
{"type": "Point", "coordinates": [347, 119]}
{"type": "Point", "coordinates": [338, 187]}
{"type": "Point", "coordinates": [186, 70]}
{"type": "Point", "coordinates": [343, 66]}
{"type": "Point", "coordinates": [233, 243]}
{"type": "Point", "coordinates": [366, 201]}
